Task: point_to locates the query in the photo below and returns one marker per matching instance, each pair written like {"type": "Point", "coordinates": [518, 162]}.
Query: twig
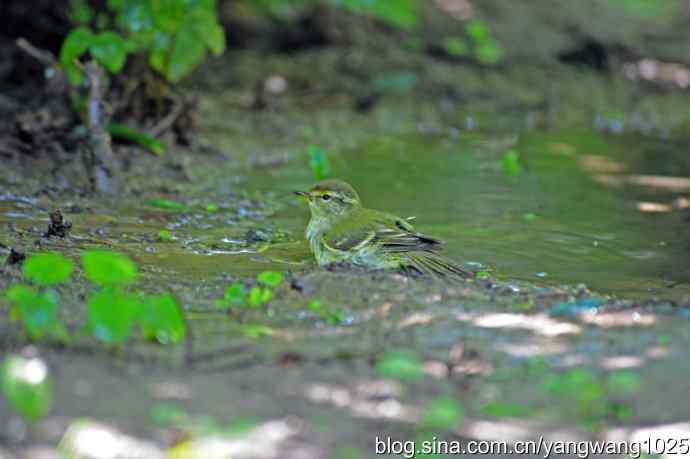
{"type": "Point", "coordinates": [102, 160]}
{"type": "Point", "coordinates": [41, 55]}
{"type": "Point", "coordinates": [169, 120]}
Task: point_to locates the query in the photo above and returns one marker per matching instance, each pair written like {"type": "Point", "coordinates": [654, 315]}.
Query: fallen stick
{"type": "Point", "coordinates": [41, 55]}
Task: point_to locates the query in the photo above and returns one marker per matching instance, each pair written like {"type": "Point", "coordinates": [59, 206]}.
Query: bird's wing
{"type": "Point", "coordinates": [388, 232]}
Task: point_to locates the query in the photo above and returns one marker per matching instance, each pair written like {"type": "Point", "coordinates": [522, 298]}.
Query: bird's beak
{"type": "Point", "coordinates": [302, 194]}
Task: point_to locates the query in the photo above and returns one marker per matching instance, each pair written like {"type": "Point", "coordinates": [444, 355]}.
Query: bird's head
{"type": "Point", "coordinates": [331, 199]}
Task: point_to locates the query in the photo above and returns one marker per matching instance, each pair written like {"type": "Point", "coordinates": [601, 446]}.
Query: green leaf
{"type": "Point", "coordinates": [315, 305]}
{"type": "Point", "coordinates": [623, 382]}
{"type": "Point", "coordinates": [210, 31]}
{"type": "Point", "coordinates": [234, 295]}
{"type": "Point", "coordinates": [160, 50]}
{"type": "Point", "coordinates": [150, 143]}
{"type": "Point", "coordinates": [489, 52]}
{"type": "Point", "coordinates": [187, 52]}
{"type": "Point", "coordinates": [107, 268]}
{"type": "Point", "coordinates": [505, 410]}
{"type": "Point", "coordinates": [259, 296]}
{"type": "Point", "coordinates": [165, 235]}
{"type": "Point", "coordinates": [477, 30]}
{"type": "Point", "coordinates": [76, 43]}
{"type": "Point", "coordinates": [112, 315]}
{"type": "Point", "coordinates": [443, 413]}
{"type": "Point", "coordinates": [270, 278]}
{"type": "Point", "coordinates": [27, 386]}
{"type": "Point", "coordinates": [162, 319]}
{"type": "Point", "coordinates": [38, 311]}
{"type": "Point", "coordinates": [48, 268]}
{"type": "Point", "coordinates": [110, 50]}
{"type": "Point", "coordinates": [334, 317]}
{"type": "Point", "coordinates": [166, 204]}
{"type": "Point", "coordinates": [401, 13]}
{"type": "Point", "coordinates": [400, 365]}
{"type": "Point", "coordinates": [455, 46]}
{"type": "Point", "coordinates": [511, 163]}
{"type": "Point", "coordinates": [319, 163]}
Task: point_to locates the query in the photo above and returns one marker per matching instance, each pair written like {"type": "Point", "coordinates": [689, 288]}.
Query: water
{"type": "Point", "coordinates": [568, 218]}
{"type": "Point", "coordinates": [554, 223]}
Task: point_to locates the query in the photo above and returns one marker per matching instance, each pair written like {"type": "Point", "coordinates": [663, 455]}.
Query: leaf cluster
{"type": "Point", "coordinates": [113, 311]}
{"type": "Point", "coordinates": [174, 35]}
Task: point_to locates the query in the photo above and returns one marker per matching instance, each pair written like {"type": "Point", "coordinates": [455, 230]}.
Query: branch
{"type": "Point", "coordinates": [102, 159]}
{"type": "Point", "coordinates": [41, 55]}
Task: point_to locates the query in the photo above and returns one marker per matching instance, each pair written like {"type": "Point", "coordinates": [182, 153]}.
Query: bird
{"type": "Point", "coordinates": [341, 230]}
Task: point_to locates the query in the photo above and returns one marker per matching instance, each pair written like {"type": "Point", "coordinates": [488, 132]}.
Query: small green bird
{"type": "Point", "coordinates": [342, 230]}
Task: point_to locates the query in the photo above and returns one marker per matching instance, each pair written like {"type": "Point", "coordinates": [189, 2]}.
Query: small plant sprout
{"type": "Point", "coordinates": [400, 365]}
{"type": "Point", "coordinates": [443, 413]}
{"type": "Point", "coordinates": [27, 386]}
{"type": "Point", "coordinates": [319, 163]}
{"type": "Point", "coordinates": [38, 308]}
{"type": "Point", "coordinates": [511, 163]}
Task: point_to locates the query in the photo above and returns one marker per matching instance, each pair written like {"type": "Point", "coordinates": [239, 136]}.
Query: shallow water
{"type": "Point", "coordinates": [567, 218]}
{"type": "Point", "coordinates": [554, 223]}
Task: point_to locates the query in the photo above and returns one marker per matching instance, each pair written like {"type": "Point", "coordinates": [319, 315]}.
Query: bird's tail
{"type": "Point", "coordinates": [432, 264]}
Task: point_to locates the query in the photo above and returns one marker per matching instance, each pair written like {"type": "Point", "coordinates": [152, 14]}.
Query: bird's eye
{"type": "Point", "coordinates": [326, 197]}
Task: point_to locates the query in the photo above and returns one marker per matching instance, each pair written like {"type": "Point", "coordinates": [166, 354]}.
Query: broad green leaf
{"type": "Point", "coordinates": [210, 31]}
{"type": "Point", "coordinates": [110, 50]}
{"type": "Point", "coordinates": [134, 16]}
{"type": "Point", "coordinates": [400, 365]}
{"type": "Point", "coordinates": [160, 50]}
{"type": "Point", "coordinates": [443, 413]}
{"type": "Point", "coordinates": [48, 268]}
{"type": "Point", "coordinates": [259, 296]}
{"type": "Point", "coordinates": [187, 52]}
{"type": "Point", "coordinates": [107, 268]}
{"type": "Point", "coordinates": [112, 315]}
{"type": "Point", "coordinates": [169, 15]}
{"type": "Point", "coordinates": [162, 319]}
{"type": "Point", "coordinates": [234, 295]}
{"type": "Point", "coordinates": [76, 43]}
{"type": "Point", "coordinates": [122, 131]}
{"type": "Point", "coordinates": [20, 293]}
{"type": "Point", "coordinates": [270, 278]}
{"type": "Point", "coordinates": [27, 386]}
{"type": "Point", "coordinates": [38, 311]}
